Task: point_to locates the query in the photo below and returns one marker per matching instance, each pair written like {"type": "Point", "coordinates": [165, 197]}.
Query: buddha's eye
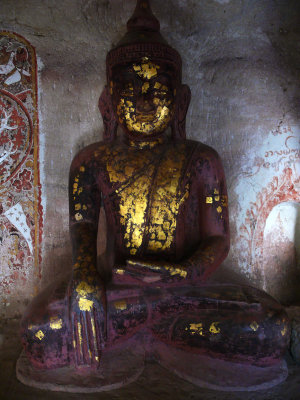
{"type": "Point", "coordinates": [161, 93]}
{"type": "Point", "coordinates": [127, 91]}
{"type": "Point", "coordinates": [161, 89]}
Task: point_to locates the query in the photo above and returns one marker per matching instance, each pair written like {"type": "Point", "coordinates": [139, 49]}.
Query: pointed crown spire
{"type": "Point", "coordinates": [143, 18]}
{"type": "Point", "coordinates": [143, 39]}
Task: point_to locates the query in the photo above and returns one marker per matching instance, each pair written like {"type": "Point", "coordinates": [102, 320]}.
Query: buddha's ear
{"type": "Point", "coordinates": [109, 120]}
{"type": "Point", "coordinates": [183, 99]}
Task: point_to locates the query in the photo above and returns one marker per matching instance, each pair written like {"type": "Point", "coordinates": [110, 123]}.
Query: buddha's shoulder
{"type": "Point", "coordinates": [98, 151]}
{"type": "Point", "coordinates": [201, 151]}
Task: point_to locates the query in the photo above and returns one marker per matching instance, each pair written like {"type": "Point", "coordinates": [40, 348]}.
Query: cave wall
{"type": "Point", "coordinates": [241, 60]}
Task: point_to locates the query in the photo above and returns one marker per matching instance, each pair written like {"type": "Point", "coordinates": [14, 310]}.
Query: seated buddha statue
{"type": "Point", "coordinates": [166, 213]}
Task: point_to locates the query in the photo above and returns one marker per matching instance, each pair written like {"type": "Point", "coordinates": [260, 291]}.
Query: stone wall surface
{"type": "Point", "coordinates": [241, 59]}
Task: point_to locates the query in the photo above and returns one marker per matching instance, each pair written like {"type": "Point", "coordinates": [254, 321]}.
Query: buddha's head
{"type": "Point", "coordinates": [143, 96]}
{"type": "Point", "coordinates": [144, 80]}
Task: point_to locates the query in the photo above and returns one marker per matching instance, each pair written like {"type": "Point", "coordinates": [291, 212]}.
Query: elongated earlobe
{"type": "Point", "coordinates": [109, 120]}
{"type": "Point", "coordinates": [182, 105]}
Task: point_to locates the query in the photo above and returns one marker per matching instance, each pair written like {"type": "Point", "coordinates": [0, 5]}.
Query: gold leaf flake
{"type": "Point", "coordinates": [78, 217]}
{"type": "Point", "coordinates": [120, 305]}
{"type": "Point", "coordinates": [40, 335]}
{"type": "Point", "coordinates": [197, 329]}
{"type": "Point", "coordinates": [85, 304]}
{"type": "Point", "coordinates": [254, 326]}
{"type": "Point", "coordinates": [214, 328]}
{"type": "Point", "coordinates": [55, 323]}
{"type": "Point", "coordinates": [120, 271]}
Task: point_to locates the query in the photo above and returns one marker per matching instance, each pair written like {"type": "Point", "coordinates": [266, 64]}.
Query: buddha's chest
{"type": "Point", "coordinates": [148, 194]}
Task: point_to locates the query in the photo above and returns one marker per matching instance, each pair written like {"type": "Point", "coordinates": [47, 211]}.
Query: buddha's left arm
{"type": "Point", "coordinates": [214, 224]}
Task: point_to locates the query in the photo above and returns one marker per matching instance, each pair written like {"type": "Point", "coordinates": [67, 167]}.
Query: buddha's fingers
{"type": "Point", "coordinates": [90, 338]}
{"type": "Point", "coordinates": [95, 318]}
{"type": "Point", "coordinates": [77, 340]}
{"type": "Point", "coordinates": [86, 339]}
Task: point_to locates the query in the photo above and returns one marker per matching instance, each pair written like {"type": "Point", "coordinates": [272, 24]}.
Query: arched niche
{"type": "Point", "coordinates": [281, 252]}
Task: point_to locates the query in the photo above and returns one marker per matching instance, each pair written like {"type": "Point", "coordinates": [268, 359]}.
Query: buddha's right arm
{"type": "Point", "coordinates": [84, 207]}
{"type": "Point", "coordinates": [87, 294]}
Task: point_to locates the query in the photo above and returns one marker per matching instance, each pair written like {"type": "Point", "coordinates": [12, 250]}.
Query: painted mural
{"type": "Point", "coordinates": [20, 192]}
{"type": "Point", "coordinates": [270, 181]}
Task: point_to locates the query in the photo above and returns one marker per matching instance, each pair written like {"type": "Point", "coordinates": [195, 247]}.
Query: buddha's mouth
{"type": "Point", "coordinates": [149, 117]}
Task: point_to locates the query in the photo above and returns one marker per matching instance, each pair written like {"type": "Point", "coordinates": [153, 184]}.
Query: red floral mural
{"type": "Point", "coordinates": [282, 188]}
{"type": "Point", "coordinates": [20, 191]}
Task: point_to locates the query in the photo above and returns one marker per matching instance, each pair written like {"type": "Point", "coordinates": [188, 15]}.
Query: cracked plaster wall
{"type": "Point", "coordinates": [241, 60]}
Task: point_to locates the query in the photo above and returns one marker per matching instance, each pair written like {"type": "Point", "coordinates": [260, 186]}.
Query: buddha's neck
{"type": "Point", "coordinates": [146, 143]}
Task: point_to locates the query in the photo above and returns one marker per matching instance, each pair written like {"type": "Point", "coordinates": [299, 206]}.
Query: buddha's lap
{"type": "Point", "coordinates": [54, 298]}
{"type": "Point", "coordinates": [198, 315]}
{"type": "Point", "coordinates": [235, 323]}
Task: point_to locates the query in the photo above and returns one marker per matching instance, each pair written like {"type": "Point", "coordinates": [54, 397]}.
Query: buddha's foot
{"type": "Point", "coordinates": [119, 366]}
{"type": "Point", "coordinates": [211, 373]}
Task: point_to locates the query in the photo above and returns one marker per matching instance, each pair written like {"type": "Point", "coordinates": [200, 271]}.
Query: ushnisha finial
{"type": "Point", "coordinates": [143, 18]}
{"type": "Point", "coordinates": [143, 39]}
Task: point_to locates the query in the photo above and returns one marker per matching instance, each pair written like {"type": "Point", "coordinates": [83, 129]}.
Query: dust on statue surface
{"type": "Point", "coordinates": [166, 208]}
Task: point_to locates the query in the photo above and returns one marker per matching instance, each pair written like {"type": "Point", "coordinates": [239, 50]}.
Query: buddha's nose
{"type": "Point", "coordinates": [144, 104]}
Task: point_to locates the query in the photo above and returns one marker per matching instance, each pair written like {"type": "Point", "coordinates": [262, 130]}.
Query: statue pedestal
{"type": "Point", "coordinates": [119, 367]}
{"type": "Point", "coordinates": [211, 373]}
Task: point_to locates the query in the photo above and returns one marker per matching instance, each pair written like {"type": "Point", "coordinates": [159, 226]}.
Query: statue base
{"type": "Point", "coordinates": [211, 373]}
{"type": "Point", "coordinates": [119, 367]}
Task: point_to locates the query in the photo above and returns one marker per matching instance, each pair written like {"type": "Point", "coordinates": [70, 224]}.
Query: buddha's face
{"type": "Point", "coordinates": [143, 96]}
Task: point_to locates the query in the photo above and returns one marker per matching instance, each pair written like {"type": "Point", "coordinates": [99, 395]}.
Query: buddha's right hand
{"type": "Point", "coordinates": [87, 317]}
